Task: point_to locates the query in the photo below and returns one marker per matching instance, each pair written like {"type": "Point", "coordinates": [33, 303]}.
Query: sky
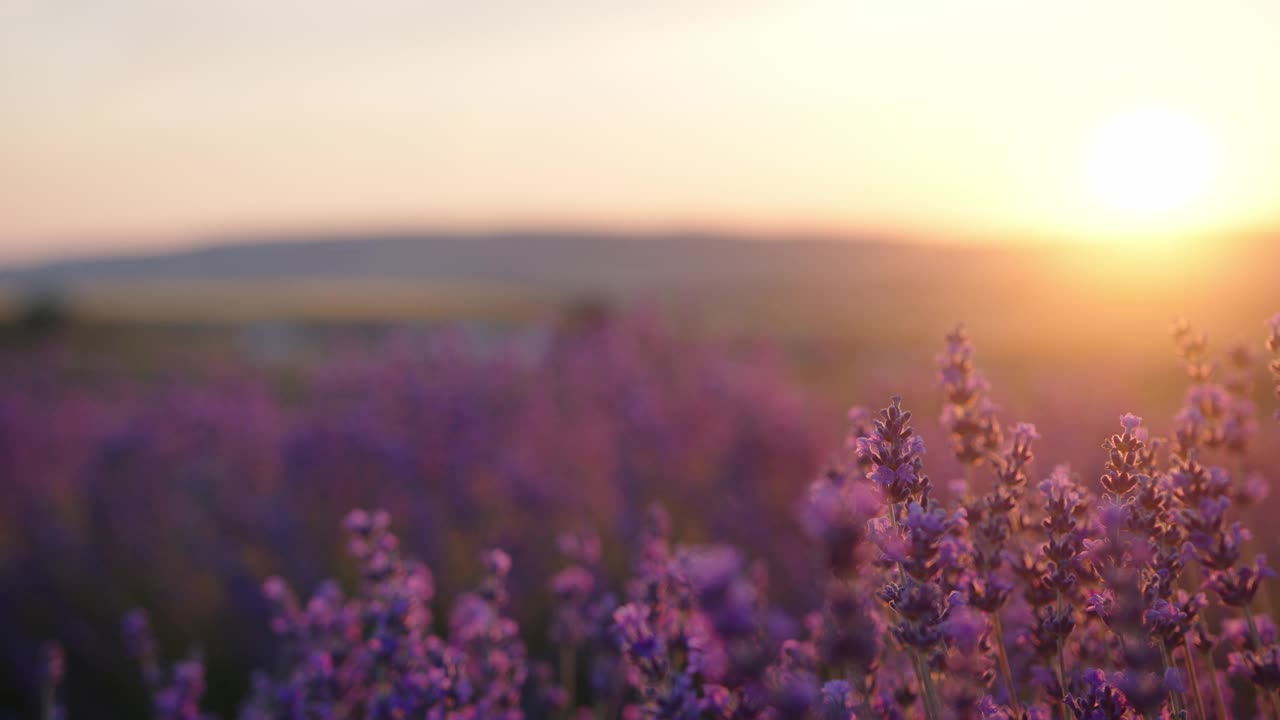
{"type": "Point", "coordinates": [138, 124]}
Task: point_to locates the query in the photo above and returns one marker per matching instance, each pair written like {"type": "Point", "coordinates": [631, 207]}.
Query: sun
{"type": "Point", "coordinates": [1150, 162]}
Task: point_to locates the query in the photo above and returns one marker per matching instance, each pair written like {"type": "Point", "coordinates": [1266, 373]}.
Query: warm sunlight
{"type": "Point", "coordinates": [122, 128]}
{"type": "Point", "coordinates": [1151, 161]}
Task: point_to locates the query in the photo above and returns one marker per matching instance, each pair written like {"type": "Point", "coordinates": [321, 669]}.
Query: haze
{"type": "Point", "coordinates": [135, 124]}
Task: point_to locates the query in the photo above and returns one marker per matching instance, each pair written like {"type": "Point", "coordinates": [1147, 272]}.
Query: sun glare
{"type": "Point", "coordinates": [1150, 162]}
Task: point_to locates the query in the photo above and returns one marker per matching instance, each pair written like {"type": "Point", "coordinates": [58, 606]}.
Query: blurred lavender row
{"type": "Point", "coordinates": [531, 573]}
{"type": "Point", "coordinates": [180, 490]}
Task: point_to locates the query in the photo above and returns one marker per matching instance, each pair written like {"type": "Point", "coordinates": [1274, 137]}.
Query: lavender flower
{"type": "Point", "coordinates": [968, 415]}
{"type": "Point", "coordinates": [1237, 585]}
{"type": "Point", "coordinates": [1123, 471]}
{"type": "Point", "coordinates": [835, 513]}
{"type": "Point", "coordinates": [1273, 344]}
{"type": "Point", "coordinates": [895, 454]}
{"type": "Point", "coordinates": [914, 541]}
{"type": "Point", "coordinates": [860, 424]}
{"type": "Point", "coordinates": [1193, 349]}
{"type": "Point", "coordinates": [837, 701]}
{"type": "Point", "coordinates": [175, 694]}
{"type": "Point", "coordinates": [1101, 698]}
{"type": "Point", "coordinates": [1063, 554]}
{"type": "Point", "coordinates": [993, 518]}
{"type": "Point", "coordinates": [1213, 415]}
{"type": "Point", "coordinates": [1237, 632]}
{"type": "Point", "coordinates": [1170, 621]}
{"type": "Point", "coordinates": [1261, 668]}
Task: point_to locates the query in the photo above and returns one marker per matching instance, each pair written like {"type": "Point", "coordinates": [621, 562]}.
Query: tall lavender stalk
{"type": "Point", "coordinates": [993, 518]}
{"type": "Point", "coordinates": [1170, 613]}
{"type": "Point", "coordinates": [1121, 558]}
{"type": "Point", "coordinates": [968, 415]}
{"type": "Point", "coordinates": [909, 537]}
{"type": "Point", "coordinates": [848, 642]}
{"type": "Point", "coordinates": [1241, 422]}
{"type": "Point", "coordinates": [1206, 404]}
{"type": "Point", "coordinates": [1201, 498]}
{"type": "Point", "coordinates": [580, 625]}
{"type": "Point", "coordinates": [1065, 529]}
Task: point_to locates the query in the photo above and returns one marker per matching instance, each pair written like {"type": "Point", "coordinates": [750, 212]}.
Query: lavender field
{"type": "Point", "coordinates": [604, 517]}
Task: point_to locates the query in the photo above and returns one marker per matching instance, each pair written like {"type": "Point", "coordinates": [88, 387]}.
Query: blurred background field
{"type": "Point", "coordinates": [174, 429]}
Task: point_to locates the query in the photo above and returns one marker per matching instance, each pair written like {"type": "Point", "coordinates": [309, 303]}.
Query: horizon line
{"type": "Point", "coordinates": [178, 244]}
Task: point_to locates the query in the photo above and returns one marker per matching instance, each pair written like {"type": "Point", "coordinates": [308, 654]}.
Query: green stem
{"type": "Point", "coordinates": [1189, 661]}
{"type": "Point", "coordinates": [1220, 712]}
{"type": "Point", "coordinates": [1062, 668]}
{"type": "Point", "coordinates": [929, 689]}
{"type": "Point", "coordinates": [925, 703]}
{"type": "Point", "coordinates": [569, 678]}
{"type": "Point", "coordinates": [1062, 683]}
{"type": "Point", "coordinates": [1003, 657]}
{"type": "Point", "coordinates": [1253, 628]}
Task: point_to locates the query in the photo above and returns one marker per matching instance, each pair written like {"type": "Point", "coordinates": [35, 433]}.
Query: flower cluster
{"type": "Point", "coordinates": [175, 691]}
{"type": "Point", "coordinates": [374, 654]}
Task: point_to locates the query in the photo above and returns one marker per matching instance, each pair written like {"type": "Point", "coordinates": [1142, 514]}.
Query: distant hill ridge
{"type": "Point", "coordinates": [536, 259]}
{"type": "Point", "coordinates": [801, 286]}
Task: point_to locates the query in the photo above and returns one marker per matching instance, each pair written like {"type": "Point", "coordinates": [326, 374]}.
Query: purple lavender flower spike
{"type": "Point", "coordinates": [1102, 699]}
{"type": "Point", "coordinates": [837, 700]}
{"type": "Point", "coordinates": [1237, 586]}
{"type": "Point", "coordinates": [1236, 632]}
{"type": "Point", "coordinates": [1273, 344]}
{"type": "Point", "coordinates": [836, 513]}
{"type": "Point", "coordinates": [895, 454]}
{"type": "Point", "coordinates": [1261, 668]}
{"type": "Point", "coordinates": [968, 414]}
{"type": "Point", "coordinates": [1122, 471]}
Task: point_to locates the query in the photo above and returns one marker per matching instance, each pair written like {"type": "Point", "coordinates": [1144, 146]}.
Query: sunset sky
{"type": "Point", "coordinates": [144, 123]}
